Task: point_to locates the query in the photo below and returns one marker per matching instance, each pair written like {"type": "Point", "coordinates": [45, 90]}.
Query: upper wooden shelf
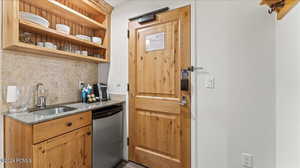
{"type": "Point", "coordinates": [290, 4]}
{"type": "Point", "coordinates": [41, 29]}
{"type": "Point", "coordinates": [103, 8]}
{"type": "Point", "coordinates": [63, 10]}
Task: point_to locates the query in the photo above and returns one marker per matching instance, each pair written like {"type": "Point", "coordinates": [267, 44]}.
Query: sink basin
{"type": "Point", "coordinates": [55, 110]}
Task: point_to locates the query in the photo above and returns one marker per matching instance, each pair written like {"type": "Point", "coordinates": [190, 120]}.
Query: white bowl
{"type": "Point", "coordinates": [97, 40]}
{"type": "Point", "coordinates": [34, 18]}
{"type": "Point", "coordinates": [83, 37]}
{"type": "Point", "coordinates": [63, 28]}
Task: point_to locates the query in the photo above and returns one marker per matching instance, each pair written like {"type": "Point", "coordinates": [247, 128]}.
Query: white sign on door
{"type": "Point", "coordinates": [155, 42]}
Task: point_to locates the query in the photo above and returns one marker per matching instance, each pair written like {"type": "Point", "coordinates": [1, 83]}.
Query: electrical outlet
{"type": "Point", "coordinates": [81, 84]}
{"type": "Point", "coordinates": [247, 160]}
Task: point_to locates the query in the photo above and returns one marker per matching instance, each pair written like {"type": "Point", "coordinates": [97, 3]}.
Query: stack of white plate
{"type": "Point", "coordinates": [63, 28]}
{"type": "Point", "coordinates": [83, 37]}
{"type": "Point", "coordinates": [34, 18]}
{"type": "Point", "coordinates": [50, 45]}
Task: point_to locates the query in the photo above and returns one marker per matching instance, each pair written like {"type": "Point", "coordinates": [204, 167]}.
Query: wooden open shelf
{"type": "Point", "coordinates": [52, 52]}
{"type": "Point", "coordinates": [41, 29]}
{"type": "Point", "coordinates": [99, 6]}
{"type": "Point", "coordinates": [281, 10]}
{"type": "Point", "coordinates": [290, 4]}
{"type": "Point", "coordinates": [86, 17]}
{"type": "Point", "coordinates": [67, 12]}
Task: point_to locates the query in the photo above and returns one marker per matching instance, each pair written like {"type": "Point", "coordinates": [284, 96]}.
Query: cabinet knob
{"type": "Point", "coordinates": [89, 133]}
{"type": "Point", "coordinates": [69, 124]}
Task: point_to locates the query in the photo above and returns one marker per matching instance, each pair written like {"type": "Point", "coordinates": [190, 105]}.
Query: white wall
{"type": "Point", "coordinates": [288, 90]}
{"type": "Point", "coordinates": [1, 117]}
{"type": "Point", "coordinates": [235, 44]}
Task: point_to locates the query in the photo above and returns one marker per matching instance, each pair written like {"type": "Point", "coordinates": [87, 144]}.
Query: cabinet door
{"type": "Point", "coordinates": [71, 150]}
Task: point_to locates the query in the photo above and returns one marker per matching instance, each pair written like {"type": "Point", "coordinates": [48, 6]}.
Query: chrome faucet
{"type": "Point", "coordinates": [40, 99]}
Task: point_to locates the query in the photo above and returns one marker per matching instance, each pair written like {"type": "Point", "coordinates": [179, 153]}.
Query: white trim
{"type": "Point", "coordinates": [194, 163]}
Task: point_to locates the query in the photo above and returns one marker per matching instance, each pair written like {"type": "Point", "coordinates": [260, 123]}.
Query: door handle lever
{"type": "Point", "coordinates": [192, 68]}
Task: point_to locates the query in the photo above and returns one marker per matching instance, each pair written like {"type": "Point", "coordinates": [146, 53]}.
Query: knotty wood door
{"type": "Point", "coordinates": [71, 150]}
{"type": "Point", "coordinates": [159, 127]}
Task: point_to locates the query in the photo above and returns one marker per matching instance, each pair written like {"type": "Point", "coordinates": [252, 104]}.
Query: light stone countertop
{"type": "Point", "coordinates": [31, 118]}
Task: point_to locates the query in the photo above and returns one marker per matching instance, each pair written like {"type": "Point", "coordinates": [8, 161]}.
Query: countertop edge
{"type": "Point", "coordinates": [78, 111]}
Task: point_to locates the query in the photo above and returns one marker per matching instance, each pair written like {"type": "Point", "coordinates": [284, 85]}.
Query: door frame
{"type": "Point", "coordinates": [186, 118]}
{"type": "Point", "coordinates": [194, 145]}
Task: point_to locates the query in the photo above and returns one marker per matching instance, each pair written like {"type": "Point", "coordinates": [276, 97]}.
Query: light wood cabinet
{"type": "Point", "coordinates": [84, 17]}
{"type": "Point", "coordinates": [71, 150]}
{"type": "Point", "coordinates": [67, 145]}
{"type": "Point", "coordinates": [47, 130]}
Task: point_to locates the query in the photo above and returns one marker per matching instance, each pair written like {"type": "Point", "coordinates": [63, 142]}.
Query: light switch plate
{"type": "Point", "coordinates": [210, 82]}
{"type": "Point", "coordinates": [247, 160]}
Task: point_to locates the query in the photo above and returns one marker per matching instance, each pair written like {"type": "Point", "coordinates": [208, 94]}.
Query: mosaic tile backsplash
{"type": "Point", "coordinates": [60, 76]}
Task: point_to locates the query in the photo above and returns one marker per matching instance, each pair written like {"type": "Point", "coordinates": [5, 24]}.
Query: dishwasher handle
{"type": "Point", "coordinates": [107, 112]}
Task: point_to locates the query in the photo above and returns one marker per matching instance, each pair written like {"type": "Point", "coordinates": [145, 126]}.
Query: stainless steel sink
{"type": "Point", "coordinates": [54, 110]}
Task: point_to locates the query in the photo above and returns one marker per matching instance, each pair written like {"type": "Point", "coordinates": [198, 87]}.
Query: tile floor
{"type": "Point", "coordinates": [129, 165]}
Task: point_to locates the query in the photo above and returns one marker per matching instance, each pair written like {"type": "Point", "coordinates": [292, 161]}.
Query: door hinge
{"type": "Point", "coordinates": [127, 141]}
{"type": "Point", "coordinates": [127, 87]}
{"type": "Point", "coordinates": [128, 33]}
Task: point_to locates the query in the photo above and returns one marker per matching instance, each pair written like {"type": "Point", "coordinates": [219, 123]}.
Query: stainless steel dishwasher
{"type": "Point", "coordinates": [107, 136]}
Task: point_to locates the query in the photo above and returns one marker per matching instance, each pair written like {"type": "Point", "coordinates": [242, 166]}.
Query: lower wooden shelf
{"type": "Point", "coordinates": [40, 29]}
{"type": "Point", "coordinates": [20, 46]}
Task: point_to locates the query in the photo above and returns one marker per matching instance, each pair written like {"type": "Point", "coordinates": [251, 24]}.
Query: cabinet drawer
{"type": "Point", "coordinates": [49, 129]}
